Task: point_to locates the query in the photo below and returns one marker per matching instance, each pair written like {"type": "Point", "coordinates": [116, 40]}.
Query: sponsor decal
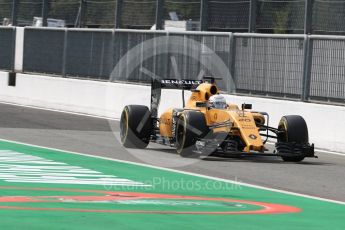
{"type": "Point", "coordinates": [241, 113]}
{"type": "Point", "coordinates": [179, 84]}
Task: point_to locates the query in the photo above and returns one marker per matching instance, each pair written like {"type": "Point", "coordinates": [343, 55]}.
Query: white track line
{"type": "Point", "coordinates": [184, 172]}
{"type": "Point", "coordinates": [59, 111]}
{"type": "Point", "coordinates": [116, 119]}
{"type": "Point", "coordinates": [330, 152]}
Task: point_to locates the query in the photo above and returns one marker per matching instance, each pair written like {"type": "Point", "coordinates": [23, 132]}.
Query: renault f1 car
{"type": "Point", "coordinates": [200, 128]}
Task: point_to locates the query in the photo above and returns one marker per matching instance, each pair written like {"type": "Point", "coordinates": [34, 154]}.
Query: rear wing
{"type": "Point", "coordinates": [158, 84]}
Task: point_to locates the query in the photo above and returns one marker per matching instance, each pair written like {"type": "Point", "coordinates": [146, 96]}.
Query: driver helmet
{"type": "Point", "coordinates": [217, 102]}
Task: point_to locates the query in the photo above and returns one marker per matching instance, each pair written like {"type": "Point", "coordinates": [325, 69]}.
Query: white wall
{"type": "Point", "coordinates": [82, 96]}
{"type": "Point", "coordinates": [326, 123]}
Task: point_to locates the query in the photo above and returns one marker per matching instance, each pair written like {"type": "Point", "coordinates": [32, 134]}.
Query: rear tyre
{"type": "Point", "coordinates": [191, 125]}
{"type": "Point", "coordinates": [293, 129]}
{"type": "Point", "coordinates": [135, 126]}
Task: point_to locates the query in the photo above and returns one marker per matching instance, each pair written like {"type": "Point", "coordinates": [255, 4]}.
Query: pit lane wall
{"type": "Point", "coordinates": [326, 122]}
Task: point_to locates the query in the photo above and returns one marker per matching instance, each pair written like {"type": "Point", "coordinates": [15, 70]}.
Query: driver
{"type": "Point", "coordinates": [217, 102]}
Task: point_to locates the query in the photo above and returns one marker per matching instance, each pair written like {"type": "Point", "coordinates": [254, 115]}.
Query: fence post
{"type": "Point", "coordinates": [204, 15]}
{"type": "Point", "coordinates": [118, 13]}
{"type": "Point", "coordinates": [82, 8]}
{"type": "Point", "coordinates": [13, 53]}
{"type": "Point", "coordinates": [252, 16]}
{"type": "Point", "coordinates": [64, 54]}
{"type": "Point", "coordinates": [45, 10]}
{"type": "Point", "coordinates": [233, 61]}
{"type": "Point", "coordinates": [14, 12]}
{"type": "Point", "coordinates": [307, 63]}
{"type": "Point", "coordinates": [308, 16]}
{"type": "Point", "coordinates": [159, 15]}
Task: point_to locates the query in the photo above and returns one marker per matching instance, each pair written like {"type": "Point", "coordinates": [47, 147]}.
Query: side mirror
{"type": "Point", "coordinates": [246, 106]}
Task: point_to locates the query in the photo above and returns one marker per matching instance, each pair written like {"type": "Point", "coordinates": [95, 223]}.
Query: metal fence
{"type": "Point", "coordinates": [286, 16]}
{"type": "Point", "coordinates": [228, 15]}
{"type": "Point", "coordinates": [324, 13]}
{"type": "Point", "coordinates": [263, 16]}
{"type": "Point", "coordinates": [72, 52]}
{"type": "Point", "coordinates": [302, 67]}
{"type": "Point", "coordinates": [327, 68]}
{"type": "Point", "coordinates": [7, 47]}
{"type": "Point", "coordinates": [94, 53]}
{"type": "Point", "coordinates": [269, 65]}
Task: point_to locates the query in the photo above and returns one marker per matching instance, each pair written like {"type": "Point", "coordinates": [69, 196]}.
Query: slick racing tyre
{"type": "Point", "coordinates": [191, 125]}
{"type": "Point", "coordinates": [135, 126]}
{"type": "Point", "coordinates": [293, 129]}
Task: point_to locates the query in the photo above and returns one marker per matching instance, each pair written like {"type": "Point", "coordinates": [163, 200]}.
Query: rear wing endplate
{"type": "Point", "coordinates": [158, 85]}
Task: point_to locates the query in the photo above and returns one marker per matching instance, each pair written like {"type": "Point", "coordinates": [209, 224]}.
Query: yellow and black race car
{"type": "Point", "coordinates": [207, 125]}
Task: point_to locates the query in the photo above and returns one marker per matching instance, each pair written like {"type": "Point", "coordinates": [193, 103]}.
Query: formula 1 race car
{"type": "Point", "coordinates": [207, 125]}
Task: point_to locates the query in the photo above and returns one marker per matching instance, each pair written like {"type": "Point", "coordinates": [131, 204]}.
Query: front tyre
{"type": "Point", "coordinates": [293, 129]}
{"type": "Point", "coordinates": [135, 126]}
{"type": "Point", "coordinates": [191, 126]}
